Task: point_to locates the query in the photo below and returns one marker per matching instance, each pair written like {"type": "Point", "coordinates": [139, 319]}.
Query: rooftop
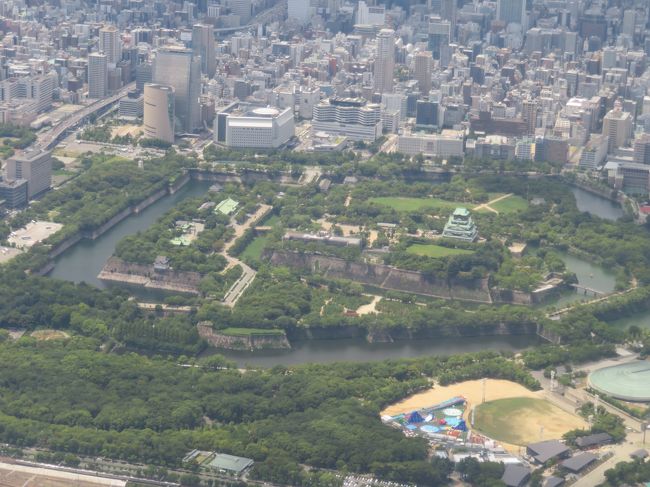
{"type": "Point", "coordinates": [230, 463]}
{"type": "Point", "coordinates": [578, 462]}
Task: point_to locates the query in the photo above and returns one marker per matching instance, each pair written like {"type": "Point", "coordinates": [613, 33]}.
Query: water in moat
{"type": "Point", "coordinates": [84, 261]}
{"type": "Point", "coordinates": [597, 205]}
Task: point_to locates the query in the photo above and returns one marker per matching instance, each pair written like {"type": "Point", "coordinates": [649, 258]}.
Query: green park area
{"type": "Point", "coordinates": [432, 250]}
{"type": "Point", "coordinates": [415, 204]}
{"type": "Point", "coordinates": [255, 248]}
{"type": "Point", "coordinates": [510, 204]}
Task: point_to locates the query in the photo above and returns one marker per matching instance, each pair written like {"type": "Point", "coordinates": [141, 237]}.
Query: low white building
{"type": "Point", "coordinates": [447, 144]}
{"type": "Point", "coordinates": [264, 128]}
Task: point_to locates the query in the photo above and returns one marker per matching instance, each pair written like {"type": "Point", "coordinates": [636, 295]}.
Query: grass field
{"type": "Point", "coordinates": [414, 204]}
{"type": "Point", "coordinates": [250, 331]}
{"type": "Point", "coordinates": [431, 250]}
{"type": "Point", "coordinates": [510, 204]}
{"type": "Point", "coordinates": [523, 420]}
{"type": "Point", "coordinates": [254, 249]}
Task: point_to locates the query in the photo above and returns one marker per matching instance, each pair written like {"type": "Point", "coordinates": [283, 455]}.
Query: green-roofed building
{"type": "Point", "coordinates": [226, 207]}
{"type": "Point", "coordinates": [461, 226]}
{"type": "Point", "coordinates": [230, 464]}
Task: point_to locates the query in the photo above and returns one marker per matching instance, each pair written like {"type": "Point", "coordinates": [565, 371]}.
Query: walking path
{"type": "Point", "coordinates": [486, 206]}
{"type": "Point", "coordinates": [248, 274]}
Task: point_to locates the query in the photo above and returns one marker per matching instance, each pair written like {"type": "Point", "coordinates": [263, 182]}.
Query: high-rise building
{"type": "Point", "coordinates": [448, 11]}
{"type": "Point", "coordinates": [242, 8]}
{"type": "Point", "coordinates": [33, 165]}
{"type": "Point", "coordinates": [370, 15]}
{"type": "Point", "coordinates": [512, 11]}
{"type": "Point", "coordinates": [177, 67]}
{"type": "Point", "coordinates": [529, 114]}
{"type": "Point", "coordinates": [159, 112]}
{"type": "Point", "coordinates": [422, 70]}
{"type": "Point", "coordinates": [617, 125]}
{"type": "Point", "coordinates": [439, 36]}
{"type": "Point", "coordinates": [642, 149]}
{"type": "Point", "coordinates": [110, 44]}
{"type": "Point", "coordinates": [385, 61]}
{"type": "Point", "coordinates": [299, 10]}
{"type": "Point", "coordinates": [143, 75]}
{"type": "Point", "coordinates": [203, 45]}
{"type": "Point", "coordinates": [97, 75]}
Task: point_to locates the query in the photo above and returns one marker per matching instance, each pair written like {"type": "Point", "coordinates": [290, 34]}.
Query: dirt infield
{"type": "Point", "coordinates": [523, 420]}
{"type": "Point", "coordinates": [23, 476]}
{"type": "Point", "coordinates": [471, 390]}
{"type": "Point", "coordinates": [45, 335]}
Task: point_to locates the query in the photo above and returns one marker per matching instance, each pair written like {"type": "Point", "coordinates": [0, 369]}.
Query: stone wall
{"type": "Point", "coordinates": [383, 276]}
{"type": "Point", "coordinates": [244, 342]}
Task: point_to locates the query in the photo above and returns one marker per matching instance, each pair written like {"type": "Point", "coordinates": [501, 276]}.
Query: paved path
{"type": "Point", "coordinates": [486, 206]}
{"type": "Point", "coordinates": [248, 274]}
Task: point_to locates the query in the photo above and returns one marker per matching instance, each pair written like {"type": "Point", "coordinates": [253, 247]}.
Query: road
{"type": "Point", "coordinates": [48, 139]}
{"type": "Point", "coordinates": [621, 452]}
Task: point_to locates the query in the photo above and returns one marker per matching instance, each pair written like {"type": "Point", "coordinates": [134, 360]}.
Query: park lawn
{"type": "Point", "coordinates": [271, 221]}
{"type": "Point", "coordinates": [510, 204]}
{"type": "Point", "coordinates": [520, 420]}
{"type": "Point", "coordinates": [432, 250]}
{"type": "Point", "coordinates": [250, 331]}
{"type": "Point", "coordinates": [414, 204]}
{"type": "Point", "coordinates": [254, 249]}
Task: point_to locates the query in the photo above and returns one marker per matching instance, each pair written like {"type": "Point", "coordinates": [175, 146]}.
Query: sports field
{"type": "Point", "coordinates": [472, 390]}
{"type": "Point", "coordinates": [523, 420]}
{"type": "Point", "coordinates": [415, 204]}
{"type": "Point", "coordinates": [431, 250]}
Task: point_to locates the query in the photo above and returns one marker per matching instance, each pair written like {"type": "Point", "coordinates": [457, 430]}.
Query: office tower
{"type": "Point", "coordinates": [629, 22]}
{"type": "Point", "coordinates": [97, 75]}
{"type": "Point", "coordinates": [529, 114]}
{"type": "Point", "coordinates": [203, 45]}
{"type": "Point", "coordinates": [448, 11]}
{"type": "Point", "coordinates": [177, 67]}
{"type": "Point", "coordinates": [370, 15]}
{"type": "Point", "coordinates": [143, 75]}
{"type": "Point", "coordinates": [35, 166]}
{"type": "Point", "coordinates": [241, 8]}
{"type": "Point", "coordinates": [426, 114]}
{"type": "Point", "coordinates": [299, 11]}
{"type": "Point", "coordinates": [423, 63]}
{"type": "Point", "coordinates": [617, 125]}
{"type": "Point", "coordinates": [110, 44]}
{"type": "Point", "coordinates": [159, 112]}
{"type": "Point", "coordinates": [439, 36]}
{"type": "Point", "coordinates": [385, 61]}
{"type": "Point", "coordinates": [512, 11]}
{"type": "Point", "coordinates": [642, 149]}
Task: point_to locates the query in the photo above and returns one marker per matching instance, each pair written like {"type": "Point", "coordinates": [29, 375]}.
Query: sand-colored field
{"type": "Point", "coordinates": [23, 476]}
{"type": "Point", "coordinates": [49, 335]}
{"type": "Point", "coordinates": [122, 130]}
{"type": "Point", "coordinates": [471, 390]}
{"type": "Point", "coordinates": [511, 414]}
{"type": "Point", "coordinates": [523, 420]}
